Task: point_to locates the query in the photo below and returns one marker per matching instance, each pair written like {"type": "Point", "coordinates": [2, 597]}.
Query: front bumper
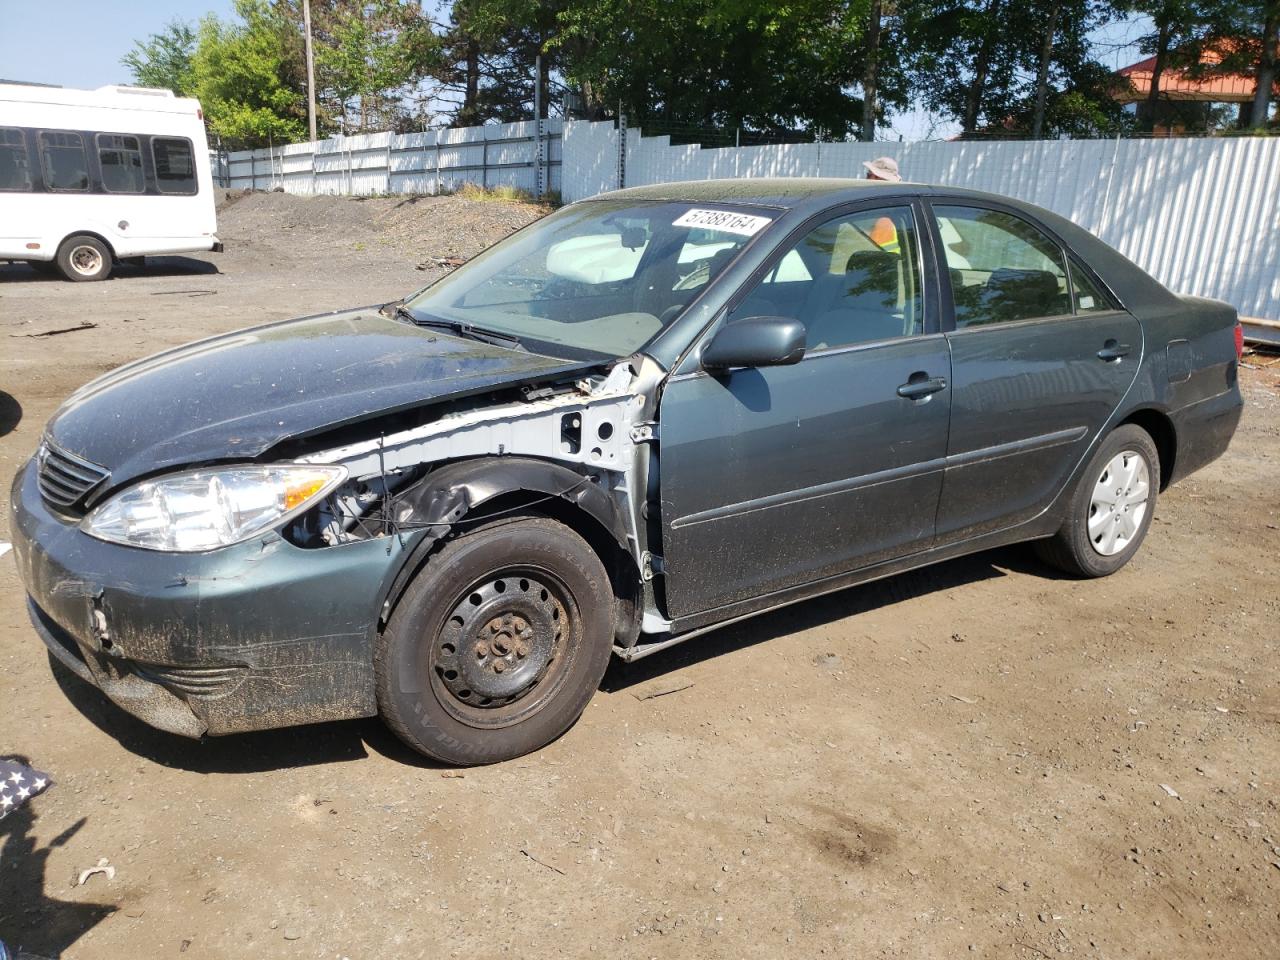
{"type": "Point", "coordinates": [256, 635]}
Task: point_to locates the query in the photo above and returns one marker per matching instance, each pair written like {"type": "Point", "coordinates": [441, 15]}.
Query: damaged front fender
{"type": "Point", "coordinates": [450, 495]}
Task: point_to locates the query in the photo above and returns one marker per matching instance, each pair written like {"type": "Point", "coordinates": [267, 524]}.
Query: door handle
{"type": "Point", "coordinates": [921, 386]}
{"type": "Point", "coordinates": [1113, 351]}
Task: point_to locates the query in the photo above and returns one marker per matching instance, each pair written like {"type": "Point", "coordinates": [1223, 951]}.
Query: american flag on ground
{"type": "Point", "coordinates": [18, 784]}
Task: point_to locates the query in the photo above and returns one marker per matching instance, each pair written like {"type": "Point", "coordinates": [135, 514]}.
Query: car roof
{"type": "Point", "coordinates": [790, 193]}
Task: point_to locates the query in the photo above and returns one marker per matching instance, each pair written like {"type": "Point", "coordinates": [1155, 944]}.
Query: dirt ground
{"type": "Point", "coordinates": [981, 759]}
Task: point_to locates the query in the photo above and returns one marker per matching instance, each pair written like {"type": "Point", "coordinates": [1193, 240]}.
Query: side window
{"type": "Point", "coordinates": [63, 161]}
{"type": "Point", "coordinates": [1088, 296]}
{"type": "Point", "coordinates": [1002, 268]}
{"type": "Point", "coordinates": [120, 157]}
{"type": "Point", "coordinates": [851, 280]}
{"type": "Point", "coordinates": [15, 172]}
{"type": "Point", "coordinates": [175, 165]}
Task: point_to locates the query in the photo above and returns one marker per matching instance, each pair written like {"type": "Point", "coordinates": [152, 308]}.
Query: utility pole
{"type": "Point", "coordinates": [311, 70]}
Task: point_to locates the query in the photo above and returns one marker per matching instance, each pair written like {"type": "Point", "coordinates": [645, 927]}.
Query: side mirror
{"type": "Point", "coordinates": [755, 342]}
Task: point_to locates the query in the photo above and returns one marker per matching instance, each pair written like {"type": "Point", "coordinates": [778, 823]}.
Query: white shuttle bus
{"type": "Point", "coordinates": [92, 177]}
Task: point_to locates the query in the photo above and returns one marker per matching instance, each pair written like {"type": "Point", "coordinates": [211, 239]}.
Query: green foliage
{"type": "Point", "coordinates": [981, 61]}
{"type": "Point", "coordinates": [369, 58]}
{"type": "Point", "coordinates": [795, 69]}
{"type": "Point", "coordinates": [250, 76]}
{"type": "Point", "coordinates": [163, 60]}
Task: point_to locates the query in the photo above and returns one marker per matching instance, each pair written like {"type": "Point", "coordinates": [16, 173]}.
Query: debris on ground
{"type": "Point", "coordinates": [661, 692]}
{"type": "Point", "coordinates": [1170, 791]}
{"type": "Point", "coordinates": [543, 863]}
{"type": "Point", "coordinates": [86, 325]}
{"type": "Point", "coordinates": [103, 867]}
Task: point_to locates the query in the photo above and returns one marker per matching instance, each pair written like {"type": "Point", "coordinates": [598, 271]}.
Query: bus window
{"type": "Point", "coordinates": [63, 161]}
{"type": "Point", "coordinates": [175, 166]}
{"type": "Point", "coordinates": [121, 160]}
{"type": "Point", "coordinates": [14, 172]}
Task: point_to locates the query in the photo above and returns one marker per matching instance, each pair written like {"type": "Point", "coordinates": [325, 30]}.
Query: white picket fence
{"type": "Point", "coordinates": [1201, 215]}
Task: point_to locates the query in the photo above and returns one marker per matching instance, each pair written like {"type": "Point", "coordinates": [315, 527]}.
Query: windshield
{"type": "Point", "coordinates": [599, 278]}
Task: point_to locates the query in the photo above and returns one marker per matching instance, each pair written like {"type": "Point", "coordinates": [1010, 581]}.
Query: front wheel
{"type": "Point", "coordinates": [83, 258]}
{"type": "Point", "coordinates": [498, 644]}
{"type": "Point", "coordinates": [1111, 507]}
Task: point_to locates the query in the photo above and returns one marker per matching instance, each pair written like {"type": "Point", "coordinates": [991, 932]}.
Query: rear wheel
{"type": "Point", "coordinates": [1111, 507]}
{"type": "Point", "coordinates": [83, 258]}
{"type": "Point", "coordinates": [498, 644]}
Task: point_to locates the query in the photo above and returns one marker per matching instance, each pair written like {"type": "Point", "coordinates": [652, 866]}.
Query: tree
{"type": "Point", "coordinates": [369, 57]}
{"type": "Point", "coordinates": [1017, 68]}
{"type": "Point", "coordinates": [1175, 41]}
{"type": "Point", "coordinates": [163, 60]}
{"type": "Point", "coordinates": [1244, 36]}
{"type": "Point", "coordinates": [680, 64]}
{"type": "Point", "coordinates": [250, 76]}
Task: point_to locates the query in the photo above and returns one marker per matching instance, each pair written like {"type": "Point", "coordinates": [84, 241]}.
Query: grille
{"type": "Point", "coordinates": [193, 681]}
{"type": "Point", "coordinates": [65, 480]}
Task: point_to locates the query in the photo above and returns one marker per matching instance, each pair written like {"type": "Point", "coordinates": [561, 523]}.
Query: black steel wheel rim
{"type": "Point", "coordinates": [503, 649]}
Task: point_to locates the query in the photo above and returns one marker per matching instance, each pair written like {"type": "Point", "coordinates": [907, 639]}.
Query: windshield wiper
{"type": "Point", "coordinates": [458, 328]}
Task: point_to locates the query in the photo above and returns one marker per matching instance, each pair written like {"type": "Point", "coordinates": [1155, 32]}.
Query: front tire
{"type": "Point", "coordinates": [498, 643]}
{"type": "Point", "coordinates": [1111, 507]}
{"type": "Point", "coordinates": [82, 258]}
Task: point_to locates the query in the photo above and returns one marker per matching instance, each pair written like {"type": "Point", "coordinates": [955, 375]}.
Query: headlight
{"type": "Point", "coordinates": [204, 509]}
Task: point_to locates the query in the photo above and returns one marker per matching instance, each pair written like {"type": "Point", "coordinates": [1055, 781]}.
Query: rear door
{"type": "Point", "coordinates": [776, 477]}
{"type": "Point", "coordinates": [1041, 358]}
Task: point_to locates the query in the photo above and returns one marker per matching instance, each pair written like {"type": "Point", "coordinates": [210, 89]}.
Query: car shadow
{"type": "Point", "coordinates": [351, 740]}
{"type": "Point", "coordinates": [321, 743]}
{"type": "Point", "coordinates": [30, 921]}
{"type": "Point", "coordinates": [10, 413]}
{"type": "Point", "coordinates": [155, 267]}
{"type": "Point", "coordinates": [821, 611]}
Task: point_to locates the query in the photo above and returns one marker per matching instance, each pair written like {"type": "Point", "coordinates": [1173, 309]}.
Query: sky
{"type": "Point", "coordinates": [83, 45]}
{"type": "Point", "coordinates": [79, 43]}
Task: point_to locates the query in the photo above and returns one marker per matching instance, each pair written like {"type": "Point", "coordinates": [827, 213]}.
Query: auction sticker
{"type": "Point", "coordinates": [743, 224]}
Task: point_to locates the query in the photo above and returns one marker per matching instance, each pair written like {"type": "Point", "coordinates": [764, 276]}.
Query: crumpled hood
{"type": "Point", "coordinates": [235, 396]}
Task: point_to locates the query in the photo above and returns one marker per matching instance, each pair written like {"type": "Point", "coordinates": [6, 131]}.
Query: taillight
{"type": "Point", "coordinates": [1239, 341]}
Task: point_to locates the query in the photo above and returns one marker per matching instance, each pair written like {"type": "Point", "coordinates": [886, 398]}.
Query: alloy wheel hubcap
{"type": "Point", "coordinates": [500, 640]}
{"type": "Point", "coordinates": [1119, 503]}
{"type": "Point", "coordinates": [86, 260]}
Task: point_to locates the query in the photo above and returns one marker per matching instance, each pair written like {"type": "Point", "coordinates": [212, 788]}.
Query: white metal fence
{"type": "Point", "coordinates": [1201, 215]}
{"type": "Point", "coordinates": [524, 155]}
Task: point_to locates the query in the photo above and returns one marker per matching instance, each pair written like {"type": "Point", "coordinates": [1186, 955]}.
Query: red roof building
{"type": "Point", "coordinates": [1176, 85]}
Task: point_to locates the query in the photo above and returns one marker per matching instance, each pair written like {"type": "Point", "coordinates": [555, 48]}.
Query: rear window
{"type": "Point", "coordinates": [120, 157]}
{"type": "Point", "coordinates": [63, 162]}
{"type": "Point", "coordinates": [175, 165]}
{"type": "Point", "coordinates": [15, 172]}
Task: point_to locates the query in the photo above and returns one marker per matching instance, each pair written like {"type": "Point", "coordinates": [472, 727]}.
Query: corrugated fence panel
{"type": "Point", "coordinates": [525, 155]}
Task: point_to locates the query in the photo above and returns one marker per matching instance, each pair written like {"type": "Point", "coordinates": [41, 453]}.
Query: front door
{"type": "Point", "coordinates": [1041, 358]}
{"type": "Point", "coordinates": [776, 477]}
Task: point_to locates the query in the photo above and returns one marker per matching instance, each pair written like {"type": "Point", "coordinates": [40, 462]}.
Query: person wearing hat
{"type": "Point", "coordinates": [883, 168]}
{"type": "Point", "coordinates": [884, 233]}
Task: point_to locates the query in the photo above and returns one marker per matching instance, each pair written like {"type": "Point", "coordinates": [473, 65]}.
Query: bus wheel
{"type": "Point", "coordinates": [84, 258]}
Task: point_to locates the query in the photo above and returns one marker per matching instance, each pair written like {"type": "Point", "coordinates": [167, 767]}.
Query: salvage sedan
{"type": "Point", "coordinates": [644, 416]}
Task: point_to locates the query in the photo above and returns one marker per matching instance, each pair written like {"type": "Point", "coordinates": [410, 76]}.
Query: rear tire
{"type": "Point", "coordinates": [498, 643]}
{"type": "Point", "coordinates": [83, 258]}
{"type": "Point", "coordinates": [1110, 509]}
